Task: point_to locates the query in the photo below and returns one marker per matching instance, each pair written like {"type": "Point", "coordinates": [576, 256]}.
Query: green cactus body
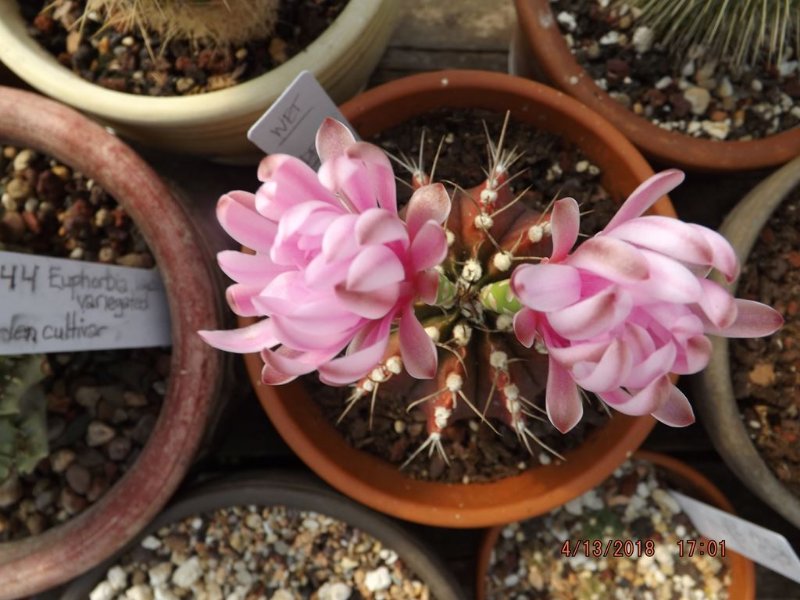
{"type": "Point", "coordinates": [23, 414]}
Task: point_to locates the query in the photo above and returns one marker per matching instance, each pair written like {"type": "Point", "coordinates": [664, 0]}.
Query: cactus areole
{"type": "Point", "coordinates": [467, 298]}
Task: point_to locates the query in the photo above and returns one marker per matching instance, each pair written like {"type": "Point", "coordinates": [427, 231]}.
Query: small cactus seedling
{"type": "Point", "coordinates": [222, 22]}
{"type": "Point", "coordinates": [23, 414]}
{"type": "Point", "coordinates": [737, 32]}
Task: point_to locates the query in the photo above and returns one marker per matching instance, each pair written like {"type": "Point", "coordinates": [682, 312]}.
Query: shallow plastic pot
{"type": "Point", "coordinates": [540, 50]}
{"type": "Point", "coordinates": [300, 492]}
{"type": "Point", "coordinates": [212, 124]}
{"type": "Point", "coordinates": [36, 563]}
{"type": "Point", "coordinates": [685, 478]}
{"type": "Point", "coordinates": [716, 403]}
{"type": "Point", "coordinates": [381, 485]}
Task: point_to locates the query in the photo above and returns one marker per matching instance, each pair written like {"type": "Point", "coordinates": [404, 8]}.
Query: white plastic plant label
{"type": "Point", "coordinates": [757, 543]}
{"type": "Point", "coordinates": [59, 305]}
{"type": "Point", "coordinates": [290, 125]}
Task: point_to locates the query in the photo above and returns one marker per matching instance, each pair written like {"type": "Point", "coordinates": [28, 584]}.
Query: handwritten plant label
{"type": "Point", "coordinates": [290, 125]}
{"type": "Point", "coordinates": [58, 305]}
{"type": "Point", "coordinates": [757, 543]}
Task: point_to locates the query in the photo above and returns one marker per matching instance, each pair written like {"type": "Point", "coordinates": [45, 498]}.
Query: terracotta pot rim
{"type": "Point", "coordinates": [295, 490]}
{"type": "Point", "coordinates": [719, 408]}
{"type": "Point", "coordinates": [552, 55]}
{"type": "Point", "coordinates": [379, 484]}
{"type": "Point", "coordinates": [62, 552]}
{"type": "Point", "coordinates": [743, 572]}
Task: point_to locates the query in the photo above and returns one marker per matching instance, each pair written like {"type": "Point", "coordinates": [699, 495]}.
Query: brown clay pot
{"type": "Point", "coordinates": [381, 485]}
{"type": "Point", "coordinates": [716, 402]}
{"type": "Point", "coordinates": [743, 573]}
{"type": "Point", "coordinates": [297, 491]}
{"type": "Point", "coordinates": [63, 552]}
{"type": "Point", "coordinates": [541, 46]}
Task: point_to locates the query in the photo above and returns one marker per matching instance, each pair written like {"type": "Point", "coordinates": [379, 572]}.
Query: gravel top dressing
{"type": "Point", "coordinates": [554, 169]}
{"type": "Point", "coordinates": [101, 406]}
{"type": "Point", "coordinates": [698, 96]}
{"type": "Point", "coordinates": [249, 553]}
{"type": "Point", "coordinates": [765, 370]}
{"type": "Point", "coordinates": [123, 62]}
{"type": "Point", "coordinates": [626, 539]}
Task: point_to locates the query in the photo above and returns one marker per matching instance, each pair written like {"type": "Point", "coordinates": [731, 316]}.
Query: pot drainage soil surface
{"type": "Point", "coordinates": [250, 552]}
{"type": "Point", "coordinates": [644, 526]}
{"type": "Point", "coordinates": [102, 405]}
{"type": "Point", "coordinates": [695, 96]}
{"type": "Point", "coordinates": [554, 169]}
{"type": "Point", "coordinates": [121, 61]}
{"type": "Point", "coordinates": [765, 370]}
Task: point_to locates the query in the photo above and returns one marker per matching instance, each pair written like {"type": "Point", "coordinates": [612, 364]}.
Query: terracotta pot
{"type": "Point", "coordinates": [299, 492]}
{"type": "Point", "coordinates": [542, 43]}
{"type": "Point", "coordinates": [716, 403]}
{"type": "Point", "coordinates": [61, 553]}
{"type": "Point", "coordinates": [743, 573]}
{"type": "Point", "coordinates": [213, 124]}
{"type": "Point", "coordinates": [381, 485]}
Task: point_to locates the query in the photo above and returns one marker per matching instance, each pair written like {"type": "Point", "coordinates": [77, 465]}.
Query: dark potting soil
{"type": "Point", "coordinates": [121, 60]}
{"type": "Point", "coordinates": [765, 370]}
{"type": "Point", "coordinates": [554, 169]}
{"type": "Point", "coordinates": [625, 539]}
{"type": "Point", "coordinates": [694, 96]}
{"type": "Point", "coordinates": [101, 405]}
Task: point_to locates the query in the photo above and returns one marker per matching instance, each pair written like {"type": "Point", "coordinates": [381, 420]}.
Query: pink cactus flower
{"type": "Point", "coordinates": [335, 266]}
{"type": "Point", "coordinates": [629, 306]}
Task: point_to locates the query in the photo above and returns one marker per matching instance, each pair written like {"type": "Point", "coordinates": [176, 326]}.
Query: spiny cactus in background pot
{"type": "Point", "coordinates": [221, 21]}
{"type": "Point", "coordinates": [737, 32]}
{"type": "Point", "coordinates": [23, 414]}
{"type": "Point", "coordinates": [472, 303]}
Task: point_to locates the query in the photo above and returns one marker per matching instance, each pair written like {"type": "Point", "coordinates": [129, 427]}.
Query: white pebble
{"type": "Point", "coordinates": [699, 98]}
{"type": "Point", "coordinates": [139, 592]}
{"type": "Point", "coordinates": [756, 85]}
{"type": "Point", "coordinates": [574, 507]}
{"type": "Point", "coordinates": [787, 67]}
{"type": "Point", "coordinates": [688, 69]}
{"type": "Point", "coordinates": [725, 88]}
{"type": "Point", "coordinates": [718, 130]}
{"type": "Point", "coordinates": [103, 591]}
{"type": "Point", "coordinates": [151, 543]}
{"type": "Point", "coordinates": [162, 593]}
{"type": "Point", "coordinates": [643, 39]}
{"type": "Point", "coordinates": [187, 573]}
{"type": "Point", "coordinates": [388, 556]}
{"type": "Point", "coordinates": [160, 574]}
{"type": "Point", "coordinates": [334, 591]}
{"type": "Point", "coordinates": [610, 39]}
{"type": "Point", "coordinates": [663, 83]}
{"type": "Point", "coordinates": [117, 577]}
{"type": "Point", "coordinates": [378, 580]}
{"type": "Point", "coordinates": [567, 20]}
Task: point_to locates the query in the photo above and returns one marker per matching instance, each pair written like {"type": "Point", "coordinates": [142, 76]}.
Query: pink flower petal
{"type": "Point", "coordinates": [315, 335]}
{"type": "Point", "coordinates": [614, 366]}
{"type": "Point", "coordinates": [693, 355]}
{"type": "Point", "coordinates": [248, 268]}
{"type": "Point", "coordinates": [643, 402]}
{"type": "Point", "coordinates": [374, 268]}
{"type": "Point", "coordinates": [717, 304]}
{"type": "Point", "coordinates": [675, 411]}
{"type": "Point", "coordinates": [562, 399]}
{"type": "Point", "coordinates": [428, 203]}
{"type": "Point", "coordinates": [358, 183]}
{"type": "Point", "coordinates": [639, 340]}
{"type": "Point", "coordinates": [380, 172]}
{"type": "Point", "coordinates": [354, 366]}
{"type": "Point", "coordinates": [320, 274]}
{"type": "Point", "coordinates": [593, 316]}
{"type": "Point", "coordinates": [240, 299]}
{"type": "Point", "coordinates": [370, 305]}
{"type": "Point", "coordinates": [288, 181]}
{"type": "Point", "coordinates": [333, 138]}
{"type": "Point", "coordinates": [429, 246]}
{"type": "Point", "coordinates": [380, 226]}
{"type": "Point", "coordinates": [568, 356]}
{"type": "Point", "coordinates": [546, 286]}
{"type": "Point", "coordinates": [611, 259]}
{"type": "Point", "coordinates": [644, 196]}
{"type": "Point", "coordinates": [244, 224]}
{"type": "Point", "coordinates": [753, 319]}
{"type": "Point", "coordinates": [284, 364]}
{"type": "Point", "coordinates": [525, 322]}
{"type": "Point", "coordinates": [339, 241]}
{"type": "Point", "coordinates": [427, 285]}
{"type": "Point", "coordinates": [416, 347]}
{"type": "Point", "coordinates": [723, 255]}
{"type": "Point", "coordinates": [564, 223]}
{"type": "Point", "coordinates": [252, 338]}
{"type": "Point", "coordinates": [668, 236]}
{"type": "Point", "coordinates": [656, 365]}
{"type": "Point", "coordinates": [668, 281]}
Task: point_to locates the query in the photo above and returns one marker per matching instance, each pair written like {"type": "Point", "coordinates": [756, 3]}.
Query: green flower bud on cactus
{"type": "Point", "coordinates": [222, 22]}
{"type": "Point", "coordinates": [23, 414]}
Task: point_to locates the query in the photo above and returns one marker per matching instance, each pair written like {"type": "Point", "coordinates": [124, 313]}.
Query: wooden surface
{"type": "Point", "coordinates": [435, 34]}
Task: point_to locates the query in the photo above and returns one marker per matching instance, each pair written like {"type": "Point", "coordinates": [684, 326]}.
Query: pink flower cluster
{"type": "Point", "coordinates": [334, 265]}
{"type": "Point", "coordinates": [629, 306]}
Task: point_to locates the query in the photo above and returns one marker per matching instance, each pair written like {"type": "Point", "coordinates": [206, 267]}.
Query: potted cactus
{"type": "Point", "coordinates": [706, 85]}
{"type": "Point", "coordinates": [470, 304]}
{"type": "Point", "coordinates": [190, 76]}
